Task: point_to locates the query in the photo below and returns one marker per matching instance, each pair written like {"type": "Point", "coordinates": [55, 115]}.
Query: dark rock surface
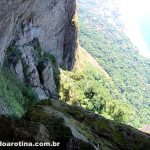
{"type": "Point", "coordinates": [73, 127]}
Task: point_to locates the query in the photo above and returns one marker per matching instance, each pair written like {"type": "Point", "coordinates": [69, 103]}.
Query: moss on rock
{"type": "Point", "coordinates": [67, 121]}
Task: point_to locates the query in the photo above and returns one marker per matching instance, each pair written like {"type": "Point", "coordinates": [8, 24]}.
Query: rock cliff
{"type": "Point", "coordinates": [33, 28]}
{"type": "Point", "coordinates": [37, 37]}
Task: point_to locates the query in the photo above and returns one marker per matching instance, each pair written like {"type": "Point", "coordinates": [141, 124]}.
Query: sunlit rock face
{"type": "Point", "coordinates": [50, 21]}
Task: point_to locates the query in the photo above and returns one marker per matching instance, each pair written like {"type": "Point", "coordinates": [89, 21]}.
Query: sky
{"type": "Point", "coordinates": [136, 15]}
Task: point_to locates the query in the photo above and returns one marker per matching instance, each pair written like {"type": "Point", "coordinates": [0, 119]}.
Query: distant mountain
{"type": "Point", "coordinates": [102, 35]}
{"type": "Point", "coordinates": [115, 13]}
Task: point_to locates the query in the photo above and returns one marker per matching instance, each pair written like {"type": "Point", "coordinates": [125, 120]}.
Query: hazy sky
{"type": "Point", "coordinates": [136, 14]}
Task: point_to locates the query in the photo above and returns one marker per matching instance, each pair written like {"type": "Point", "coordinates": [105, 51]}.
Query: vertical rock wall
{"type": "Point", "coordinates": [36, 30]}
{"type": "Point", "coordinates": [50, 21]}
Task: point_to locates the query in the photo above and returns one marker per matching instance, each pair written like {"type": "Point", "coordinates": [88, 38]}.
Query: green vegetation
{"type": "Point", "coordinates": [117, 55]}
{"type": "Point", "coordinates": [15, 98]}
{"type": "Point", "coordinates": [91, 90]}
{"type": "Point", "coordinates": [12, 55]}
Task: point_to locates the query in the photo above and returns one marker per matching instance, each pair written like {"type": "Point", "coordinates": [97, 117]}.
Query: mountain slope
{"type": "Point", "coordinates": [102, 36]}
{"type": "Point", "coordinates": [83, 58]}
{"type": "Point", "coordinates": [38, 49]}
{"type": "Point", "coordinates": [89, 86]}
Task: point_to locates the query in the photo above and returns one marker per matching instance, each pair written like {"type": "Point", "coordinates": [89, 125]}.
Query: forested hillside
{"type": "Point", "coordinates": [101, 34]}
{"type": "Point", "coordinates": [89, 86]}
{"type": "Point", "coordinates": [54, 94]}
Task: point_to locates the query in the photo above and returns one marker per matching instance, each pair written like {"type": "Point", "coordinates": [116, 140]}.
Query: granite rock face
{"type": "Point", "coordinates": [50, 21]}
{"type": "Point", "coordinates": [32, 28]}
{"type": "Point", "coordinates": [35, 67]}
{"type": "Point", "coordinates": [96, 132]}
{"type": "Point", "coordinates": [47, 78]}
{"type": "Point", "coordinates": [19, 70]}
{"type": "Point", "coordinates": [73, 127]}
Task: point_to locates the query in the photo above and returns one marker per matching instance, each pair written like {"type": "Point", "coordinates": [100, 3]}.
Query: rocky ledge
{"type": "Point", "coordinates": [73, 127]}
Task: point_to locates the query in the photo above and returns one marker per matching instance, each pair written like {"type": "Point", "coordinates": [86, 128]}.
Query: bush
{"type": "Point", "coordinates": [85, 89]}
{"type": "Point", "coordinates": [14, 95]}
